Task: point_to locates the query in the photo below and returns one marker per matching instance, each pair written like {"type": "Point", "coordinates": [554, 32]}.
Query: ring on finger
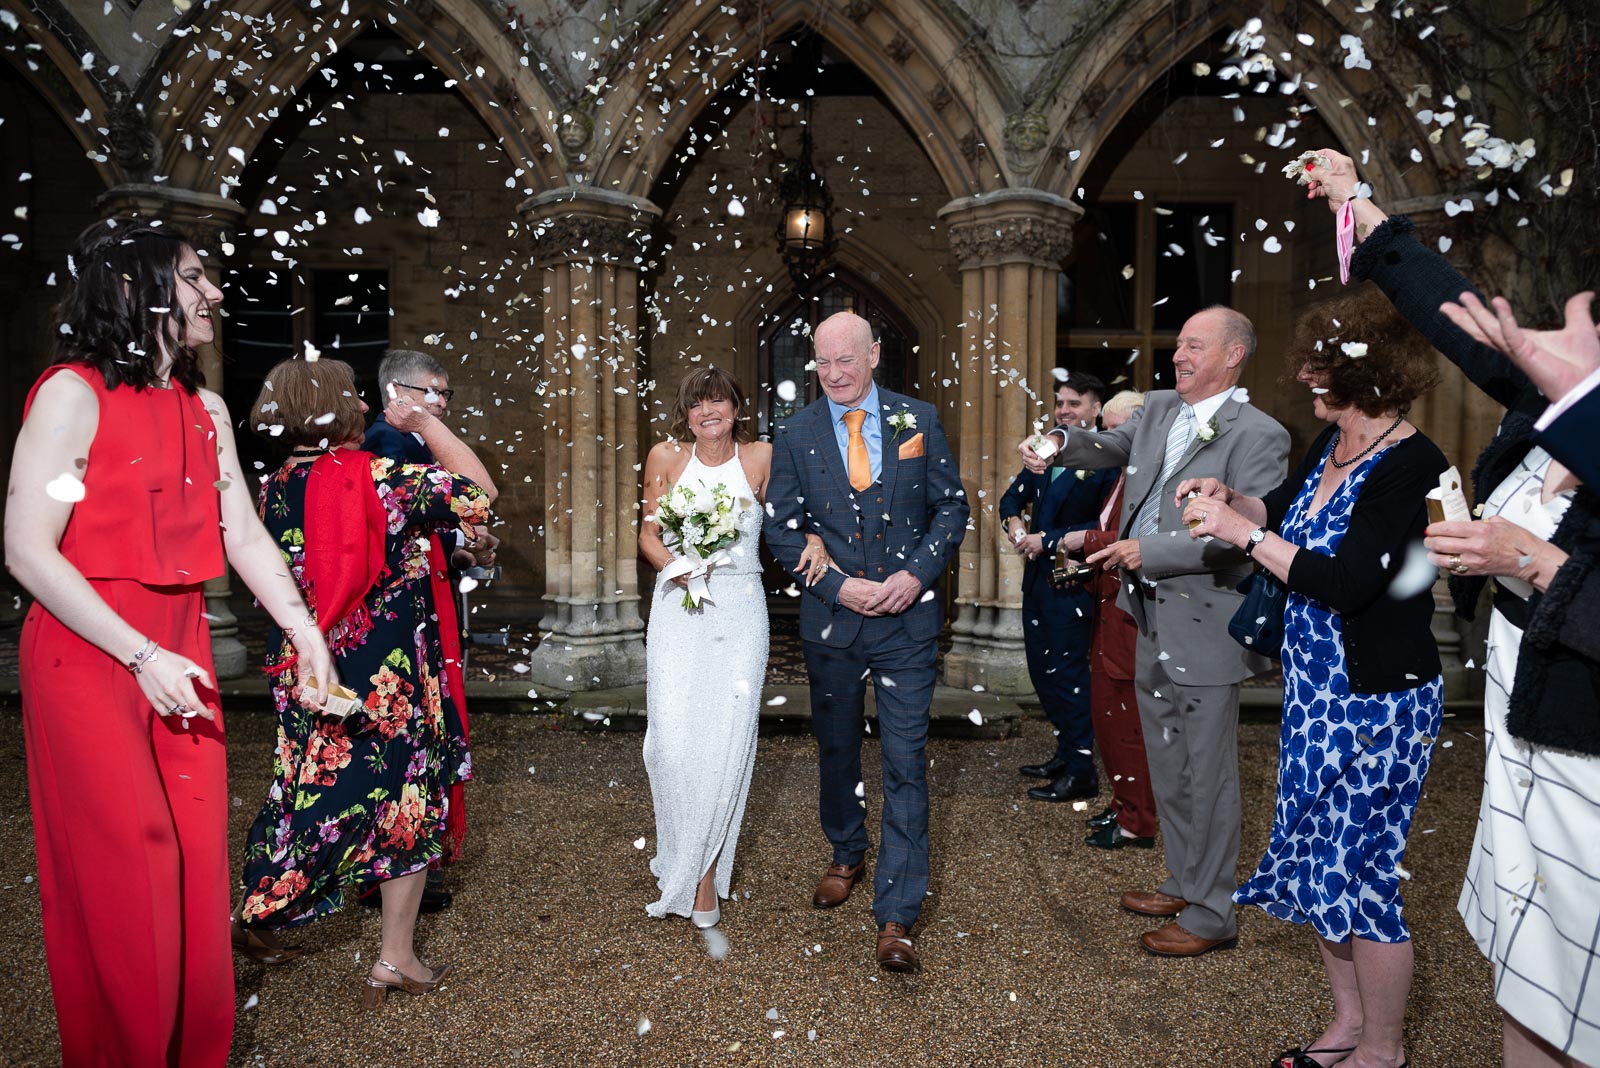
{"type": "Point", "coordinates": [1457, 565]}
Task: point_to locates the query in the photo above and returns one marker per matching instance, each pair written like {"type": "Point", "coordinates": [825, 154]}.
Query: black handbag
{"type": "Point", "coordinates": [1258, 623]}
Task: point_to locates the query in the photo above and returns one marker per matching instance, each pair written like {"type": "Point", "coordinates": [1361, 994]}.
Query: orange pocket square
{"type": "Point", "coordinates": [911, 447]}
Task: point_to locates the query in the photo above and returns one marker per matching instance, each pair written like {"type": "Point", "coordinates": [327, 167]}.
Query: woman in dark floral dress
{"type": "Point", "coordinates": [364, 799]}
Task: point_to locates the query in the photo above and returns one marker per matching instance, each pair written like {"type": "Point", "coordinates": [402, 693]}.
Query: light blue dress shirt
{"type": "Point", "coordinates": [871, 431]}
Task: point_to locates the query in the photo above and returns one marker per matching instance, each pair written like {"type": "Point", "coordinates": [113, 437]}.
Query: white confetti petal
{"type": "Point", "coordinates": [64, 488]}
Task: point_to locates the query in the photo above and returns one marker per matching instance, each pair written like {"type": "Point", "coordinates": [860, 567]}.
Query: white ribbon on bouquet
{"type": "Point", "coordinates": [698, 570]}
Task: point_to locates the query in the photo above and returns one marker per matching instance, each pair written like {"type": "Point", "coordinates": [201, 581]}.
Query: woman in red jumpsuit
{"type": "Point", "coordinates": [125, 494]}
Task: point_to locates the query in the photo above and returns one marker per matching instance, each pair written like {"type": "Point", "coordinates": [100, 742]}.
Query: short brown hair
{"type": "Point", "coordinates": [1396, 368]}
{"type": "Point", "coordinates": [315, 403]}
{"type": "Point", "coordinates": [708, 383]}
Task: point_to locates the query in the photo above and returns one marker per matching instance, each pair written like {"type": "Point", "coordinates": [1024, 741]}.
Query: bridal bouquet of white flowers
{"type": "Point", "coordinates": [698, 523]}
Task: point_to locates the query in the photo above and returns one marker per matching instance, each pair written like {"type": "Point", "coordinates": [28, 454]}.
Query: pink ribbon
{"type": "Point", "coordinates": [1345, 237]}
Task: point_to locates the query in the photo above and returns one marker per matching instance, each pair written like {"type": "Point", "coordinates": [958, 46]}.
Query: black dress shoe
{"type": "Point", "coordinates": [1048, 770]}
{"type": "Point", "coordinates": [1111, 837]}
{"type": "Point", "coordinates": [1105, 819]}
{"type": "Point", "coordinates": [1067, 788]}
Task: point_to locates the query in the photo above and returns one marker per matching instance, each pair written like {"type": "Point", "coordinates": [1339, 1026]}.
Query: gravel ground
{"type": "Point", "coordinates": [1027, 958]}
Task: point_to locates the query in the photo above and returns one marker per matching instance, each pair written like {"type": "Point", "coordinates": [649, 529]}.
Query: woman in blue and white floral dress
{"type": "Point", "coordinates": [1362, 692]}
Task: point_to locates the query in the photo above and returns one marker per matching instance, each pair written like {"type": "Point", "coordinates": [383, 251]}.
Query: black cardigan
{"type": "Point", "coordinates": [1388, 641]}
{"type": "Point", "coordinates": [1555, 697]}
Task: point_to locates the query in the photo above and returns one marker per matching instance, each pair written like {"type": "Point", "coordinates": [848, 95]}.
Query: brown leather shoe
{"type": "Point", "coordinates": [1153, 903]}
{"type": "Point", "coordinates": [1174, 941]}
{"type": "Point", "coordinates": [896, 951]}
{"type": "Point", "coordinates": [834, 889]}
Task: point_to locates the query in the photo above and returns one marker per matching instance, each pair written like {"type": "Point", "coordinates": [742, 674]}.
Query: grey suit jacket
{"type": "Point", "coordinates": [1195, 579]}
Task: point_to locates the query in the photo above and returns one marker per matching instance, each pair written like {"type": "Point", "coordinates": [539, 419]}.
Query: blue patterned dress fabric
{"type": "Point", "coordinates": [1350, 766]}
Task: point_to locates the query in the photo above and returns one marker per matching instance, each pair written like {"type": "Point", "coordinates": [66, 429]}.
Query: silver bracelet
{"type": "Point", "coordinates": [289, 632]}
{"type": "Point", "coordinates": [144, 657]}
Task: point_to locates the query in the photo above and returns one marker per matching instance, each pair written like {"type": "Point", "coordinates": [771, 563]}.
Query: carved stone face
{"type": "Point", "coordinates": [1028, 131]}
{"type": "Point", "coordinates": [574, 134]}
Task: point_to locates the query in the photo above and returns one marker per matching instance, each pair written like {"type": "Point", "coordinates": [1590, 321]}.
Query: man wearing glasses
{"type": "Point", "coordinates": [413, 378]}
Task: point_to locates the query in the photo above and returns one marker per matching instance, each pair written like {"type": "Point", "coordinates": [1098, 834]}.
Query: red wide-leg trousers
{"type": "Point", "coordinates": [1120, 738]}
{"type": "Point", "coordinates": [130, 820]}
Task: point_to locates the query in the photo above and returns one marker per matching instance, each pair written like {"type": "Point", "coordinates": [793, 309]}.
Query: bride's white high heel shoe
{"type": "Point", "coordinates": [706, 920]}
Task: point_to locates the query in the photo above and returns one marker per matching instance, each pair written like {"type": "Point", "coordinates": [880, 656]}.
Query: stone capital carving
{"type": "Point", "coordinates": [1033, 240]}
{"type": "Point", "coordinates": [585, 224]}
{"type": "Point", "coordinates": [857, 10]}
{"type": "Point", "coordinates": [205, 219]}
{"type": "Point", "coordinates": [1010, 226]}
{"type": "Point", "coordinates": [590, 237]}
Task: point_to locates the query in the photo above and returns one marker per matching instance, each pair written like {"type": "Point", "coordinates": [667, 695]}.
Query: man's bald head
{"type": "Point", "coordinates": [846, 356]}
{"type": "Point", "coordinates": [847, 325]}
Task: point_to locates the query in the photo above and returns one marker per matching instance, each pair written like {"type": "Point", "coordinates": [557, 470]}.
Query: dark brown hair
{"type": "Point", "coordinates": [1397, 367]}
{"type": "Point", "coordinates": [708, 383]}
{"type": "Point", "coordinates": [315, 403]}
{"type": "Point", "coordinates": [124, 292]}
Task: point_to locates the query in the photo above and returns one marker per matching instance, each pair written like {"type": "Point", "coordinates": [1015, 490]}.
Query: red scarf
{"type": "Point", "coordinates": [345, 530]}
{"type": "Point", "coordinates": [444, 606]}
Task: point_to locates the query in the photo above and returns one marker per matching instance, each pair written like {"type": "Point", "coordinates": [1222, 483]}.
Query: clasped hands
{"type": "Point", "coordinates": [890, 597]}
{"type": "Point", "coordinates": [863, 596]}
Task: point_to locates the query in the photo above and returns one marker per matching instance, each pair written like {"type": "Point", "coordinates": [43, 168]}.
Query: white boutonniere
{"type": "Point", "coordinates": [1207, 432]}
{"type": "Point", "coordinates": [903, 421]}
{"type": "Point", "coordinates": [1082, 473]}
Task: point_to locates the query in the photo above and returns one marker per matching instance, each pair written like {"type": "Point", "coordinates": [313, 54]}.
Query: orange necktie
{"type": "Point", "coordinates": [860, 466]}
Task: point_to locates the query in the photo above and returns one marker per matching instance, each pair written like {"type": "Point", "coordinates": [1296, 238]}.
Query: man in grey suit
{"type": "Point", "coordinates": [1181, 592]}
{"type": "Point", "coordinates": [871, 473]}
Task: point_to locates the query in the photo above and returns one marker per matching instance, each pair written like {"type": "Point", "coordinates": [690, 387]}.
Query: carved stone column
{"type": "Point", "coordinates": [590, 244]}
{"type": "Point", "coordinates": [1010, 245]}
{"type": "Point", "coordinates": [206, 220]}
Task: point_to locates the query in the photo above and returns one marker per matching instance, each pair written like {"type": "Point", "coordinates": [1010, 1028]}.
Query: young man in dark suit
{"type": "Point", "coordinates": [1057, 623]}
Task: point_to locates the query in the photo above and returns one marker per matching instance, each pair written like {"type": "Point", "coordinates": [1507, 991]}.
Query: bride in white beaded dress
{"type": "Point", "coordinates": [706, 665]}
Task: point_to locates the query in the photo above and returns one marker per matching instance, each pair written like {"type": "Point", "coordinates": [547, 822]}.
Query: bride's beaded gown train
{"type": "Point", "coordinates": [705, 670]}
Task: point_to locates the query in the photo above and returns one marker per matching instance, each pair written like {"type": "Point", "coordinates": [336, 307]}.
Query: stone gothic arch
{"type": "Point", "coordinates": [1097, 86]}
{"type": "Point", "coordinates": [460, 37]}
{"type": "Point", "coordinates": [47, 48]}
{"type": "Point", "coordinates": [910, 49]}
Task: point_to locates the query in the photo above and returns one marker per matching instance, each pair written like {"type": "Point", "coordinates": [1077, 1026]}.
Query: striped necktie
{"type": "Point", "coordinates": [1177, 445]}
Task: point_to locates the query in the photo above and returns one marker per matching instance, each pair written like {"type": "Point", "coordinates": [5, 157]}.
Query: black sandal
{"type": "Point", "coordinates": [1299, 1057]}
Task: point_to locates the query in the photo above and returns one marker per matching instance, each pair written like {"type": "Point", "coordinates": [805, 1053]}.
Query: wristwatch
{"type": "Point", "coordinates": [1256, 537]}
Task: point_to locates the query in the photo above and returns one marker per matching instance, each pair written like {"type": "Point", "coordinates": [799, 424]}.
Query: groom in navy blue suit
{"type": "Point", "coordinates": [870, 472]}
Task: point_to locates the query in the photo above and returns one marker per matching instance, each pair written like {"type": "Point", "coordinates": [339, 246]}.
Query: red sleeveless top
{"type": "Point", "coordinates": [151, 510]}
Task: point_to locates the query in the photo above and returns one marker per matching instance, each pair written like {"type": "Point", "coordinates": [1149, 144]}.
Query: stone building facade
{"type": "Point", "coordinates": [572, 205]}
